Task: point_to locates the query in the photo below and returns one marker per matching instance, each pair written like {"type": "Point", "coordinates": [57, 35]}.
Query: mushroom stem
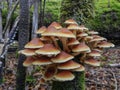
{"type": "Point", "coordinates": [55, 42]}
{"type": "Point", "coordinates": [64, 42]}
{"type": "Point", "coordinates": [83, 57]}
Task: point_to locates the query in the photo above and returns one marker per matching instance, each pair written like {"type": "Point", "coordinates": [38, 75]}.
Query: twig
{"type": "Point", "coordinates": [115, 65]}
{"type": "Point", "coordinates": [114, 79]}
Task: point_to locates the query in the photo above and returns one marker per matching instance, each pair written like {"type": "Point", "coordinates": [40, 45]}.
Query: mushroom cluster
{"type": "Point", "coordinates": [60, 51]}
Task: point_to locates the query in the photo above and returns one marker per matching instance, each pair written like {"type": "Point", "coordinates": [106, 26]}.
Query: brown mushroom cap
{"type": "Point", "coordinates": [64, 32]}
{"type": "Point", "coordinates": [94, 53]}
{"type": "Point", "coordinates": [64, 76]}
{"type": "Point", "coordinates": [62, 57]}
{"type": "Point", "coordinates": [28, 52]}
{"type": "Point", "coordinates": [43, 60]}
{"type": "Point", "coordinates": [105, 44]}
{"type": "Point", "coordinates": [28, 61]}
{"type": "Point", "coordinates": [80, 48]}
{"type": "Point", "coordinates": [51, 31]}
{"type": "Point", "coordinates": [97, 39]}
{"type": "Point", "coordinates": [74, 27]}
{"type": "Point", "coordinates": [34, 43]}
{"type": "Point", "coordinates": [92, 62]}
{"type": "Point", "coordinates": [56, 25]}
{"type": "Point", "coordinates": [48, 49]}
{"type": "Point", "coordinates": [81, 68]}
{"type": "Point", "coordinates": [82, 34]}
{"type": "Point", "coordinates": [73, 41]}
{"type": "Point", "coordinates": [70, 21]}
{"type": "Point", "coordinates": [68, 65]}
{"type": "Point", "coordinates": [41, 30]}
{"type": "Point", "coordinates": [50, 72]}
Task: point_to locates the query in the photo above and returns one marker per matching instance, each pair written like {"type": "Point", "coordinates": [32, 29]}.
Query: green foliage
{"type": "Point", "coordinates": [107, 18]}
{"type": "Point", "coordinates": [52, 10]}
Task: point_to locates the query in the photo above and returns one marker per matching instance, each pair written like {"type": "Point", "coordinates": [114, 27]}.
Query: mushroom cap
{"type": "Point", "coordinates": [45, 38]}
{"type": "Point", "coordinates": [81, 68]}
{"type": "Point", "coordinates": [94, 53]}
{"type": "Point", "coordinates": [41, 30]}
{"type": "Point", "coordinates": [28, 52]}
{"type": "Point", "coordinates": [70, 21]}
{"type": "Point", "coordinates": [82, 27]}
{"type": "Point", "coordinates": [80, 48]}
{"type": "Point", "coordinates": [73, 41]}
{"type": "Point", "coordinates": [50, 72]}
{"type": "Point", "coordinates": [105, 44]}
{"type": "Point", "coordinates": [68, 65]}
{"type": "Point", "coordinates": [92, 62]}
{"type": "Point", "coordinates": [74, 27]}
{"type": "Point", "coordinates": [64, 76]}
{"type": "Point", "coordinates": [34, 43]}
{"type": "Point", "coordinates": [56, 25]}
{"type": "Point", "coordinates": [48, 49]}
{"type": "Point", "coordinates": [82, 34]}
{"type": "Point", "coordinates": [51, 31]}
{"type": "Point", "coordinates": [98, 38]}
{"type": "Point", "coordinates": [62, 57]}
{"type": "Point", "coordinates": [92, 32]}
{"type": "Point", "coordinates": [43, 60]}
{"type": "Point", "coordinates": [64, 32]}
{"type": "Point", "coordinates": [28, 61]}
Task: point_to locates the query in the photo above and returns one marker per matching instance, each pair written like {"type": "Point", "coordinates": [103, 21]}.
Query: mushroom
{"type": "Point", "coordinates": [94, 53]}
{"type": "Point", "coordinates": [68, 65]}
{"type": "Point", "coordinates": [28, 52]}
{"type": "Point", "coordinates": [64, 76]}
{"type": "Point", "coordinates": [28, 61]}
{"type": "Point", "coordinates": [105, 44]}
{"type": "Point", "coordinates": [70, 21]}
{"type": "Point", "coordinates": [42, 60]}
{"type": "Point", "coordinates": [92, 62]}
{"type": "Point", "coordinates": [48, 49]}
{"type": "Point", "coordinates": [81, 68]}
{"type": "Point", "coordinates": [41, 30]}
{"type": "Point", "coordinates": [62, 57]}
{"type": "Point", "coordinates": [56, 25]}
{"type": "Point", "coordinates": [64, 34]}
{"type": "Point", "coordinates": [34, 43]}
{"type": "Point", "coordinates": [51, 32]}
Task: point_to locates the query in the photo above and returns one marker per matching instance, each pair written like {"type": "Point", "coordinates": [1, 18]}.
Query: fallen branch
{"type": "Point", "coordinates": [115, 65]}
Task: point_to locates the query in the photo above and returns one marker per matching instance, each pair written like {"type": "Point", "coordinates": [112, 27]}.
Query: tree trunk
{"type": "Point", "coordinates": [1, 72]}
{"type": "Point", "coordinates": [77, 9]}
{"type": "Point", "coordinates": [23, 39]}
{"type": "Point", "coordinates": [35, 18]}
{"type": "Point", "coordinates": [77, 84]}
{"type": "Point", "coordinates": [1, 37]}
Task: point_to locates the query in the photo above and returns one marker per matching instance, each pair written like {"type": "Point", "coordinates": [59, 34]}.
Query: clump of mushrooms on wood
{"type": "Point", "coordinates": [57, 48]}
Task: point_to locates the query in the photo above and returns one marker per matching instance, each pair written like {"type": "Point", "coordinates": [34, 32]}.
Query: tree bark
{"type": "Point", "coordinates": [1, 37]}
{"type": "Point", "coordinates": [35, 18]}
{"type": "Point", "coordinates": [77, 84]}
{"type": "Point", "coordinates": [23, 39]}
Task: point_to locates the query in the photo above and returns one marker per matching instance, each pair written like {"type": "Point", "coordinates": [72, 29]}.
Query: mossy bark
{"type": "Point", "coordinates": [77, 9]}
{"type": "Point", "coordinates": [77, 84]}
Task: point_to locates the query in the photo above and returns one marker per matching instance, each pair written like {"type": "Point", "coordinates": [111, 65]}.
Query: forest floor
{"type": "Point", "coordinates": [105, 77]}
